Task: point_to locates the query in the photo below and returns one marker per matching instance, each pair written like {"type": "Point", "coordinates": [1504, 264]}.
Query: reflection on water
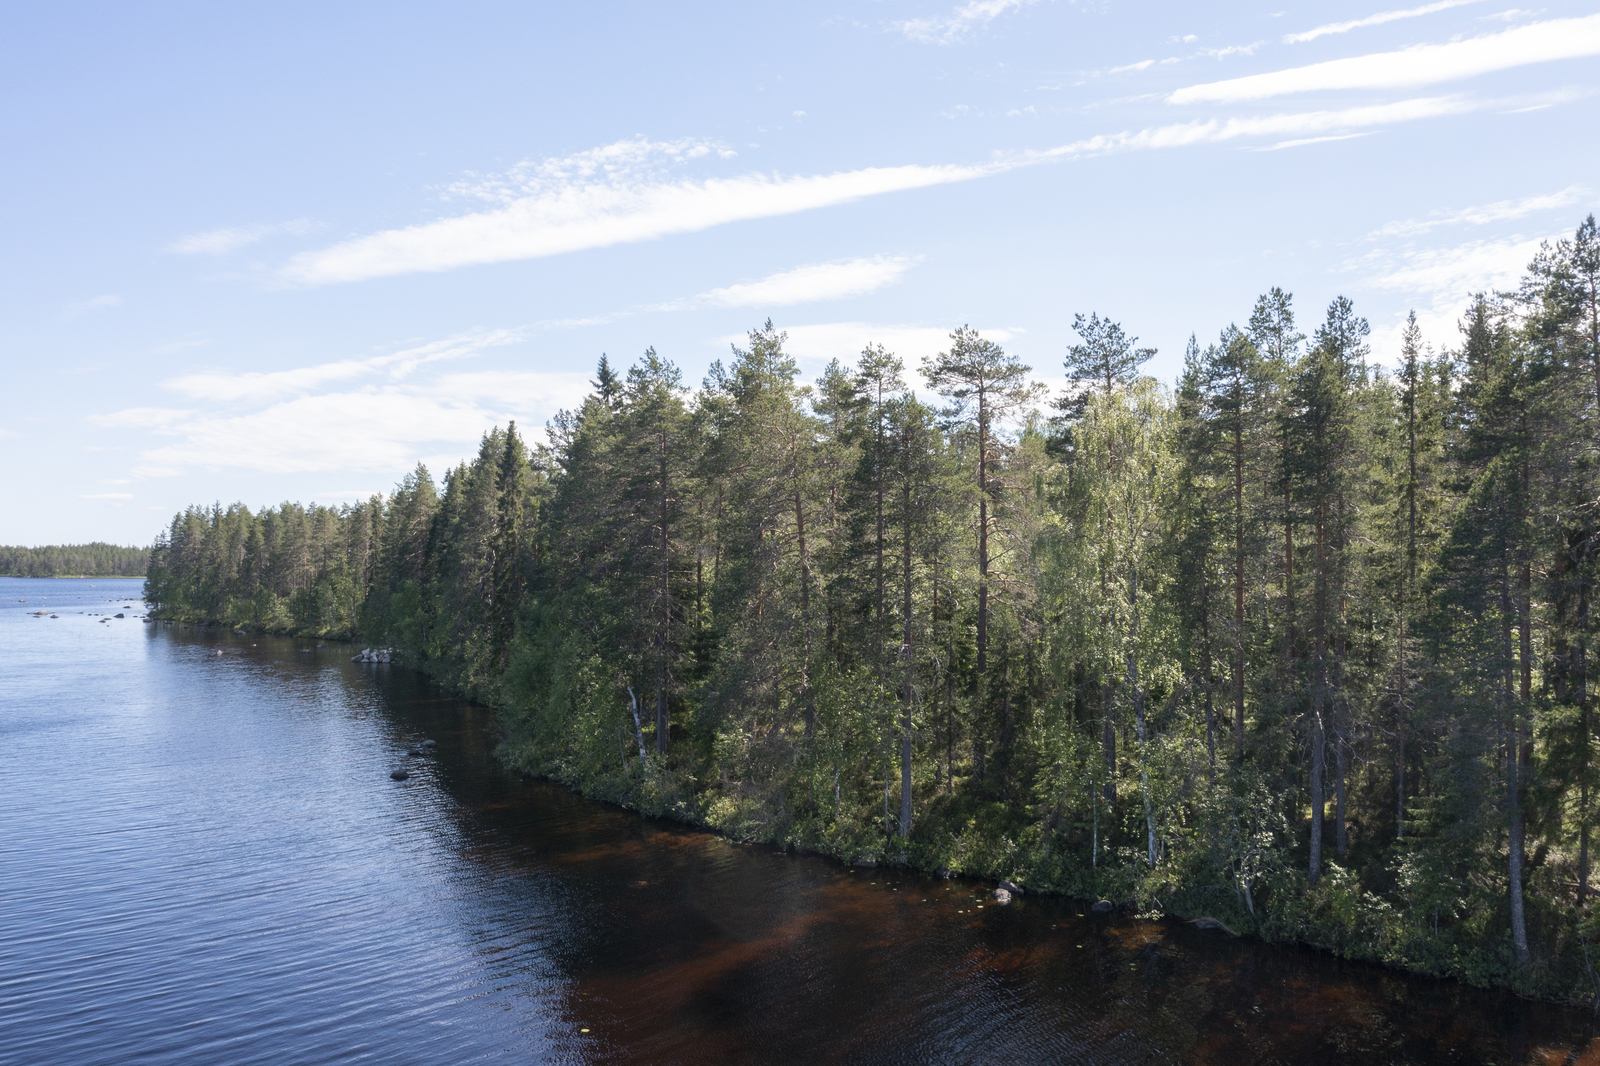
{"type": "Point", "coordinates": [206, 861]}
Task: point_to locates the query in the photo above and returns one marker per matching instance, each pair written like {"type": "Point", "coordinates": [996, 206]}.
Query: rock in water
{"type": "Point", "coordinates": [400, 775]}
{"type": "Point", "coordinates": [1212, 925]}
{"type": "Point", "coordinates": [429, 744]}
{"type": "Point", "coordinates": [1102, 906]}
{"type": "Point", "coordinates": [1011, 888]}
{"type": "Point", "coordinates": [1001, 896]}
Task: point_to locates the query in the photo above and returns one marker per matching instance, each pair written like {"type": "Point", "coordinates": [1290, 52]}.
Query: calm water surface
{"type": "Point", "coordinates": [203, 860]}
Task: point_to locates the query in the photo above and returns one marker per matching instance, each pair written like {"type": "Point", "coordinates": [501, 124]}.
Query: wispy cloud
{"type": "Point", "coordinates": [1300, 141]}
{"type": "Point", "coordinates": [1231, 50]}
{"type": "Point", "coordinates": [96, 303]}
{"type": "Point", "coordinates": [257, 387]}
{"type": "Point", "coordinates": [822, 341]}
{"type": "Point", "coordinates": [376, 428]}
{"type": "Point", "coordinates": [1141, 65]}
{"type": "Point", "coordinates": [1499, 211]}
{"type": "Point", "coordinates": [1303, 124]}
{"type": "Point", "coordinates": [947, 29]}
{"type": "Point", "coordinates": [1374, 20]}
{"type": "Point", "coordinates": [1426, 64]}
{"type": "Point", "coordinates": [231, 238]}
{"type": "Point", "coordinates": [560, 209]}
{"type": "Point", "coordinates": [822, 281]}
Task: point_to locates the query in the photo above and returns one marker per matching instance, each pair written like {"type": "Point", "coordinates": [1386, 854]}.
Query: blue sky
{"type": "Point", "coordinates": [287, 251]}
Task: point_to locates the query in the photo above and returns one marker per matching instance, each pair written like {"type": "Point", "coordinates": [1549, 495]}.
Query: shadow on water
{"type": "Point", "coordinates": [219, 869]}
{"type": "Point", "coordinates": [700, 950]}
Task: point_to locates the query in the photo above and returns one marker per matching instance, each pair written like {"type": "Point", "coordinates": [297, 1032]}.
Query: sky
{"type": "Point", "coordinates": [285, 252]}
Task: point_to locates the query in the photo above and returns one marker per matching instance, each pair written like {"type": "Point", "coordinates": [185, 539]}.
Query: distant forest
{"type": "Point", "coordinates": [74, 560]}
{"type": "Point", "coordinates": [1299, 643]}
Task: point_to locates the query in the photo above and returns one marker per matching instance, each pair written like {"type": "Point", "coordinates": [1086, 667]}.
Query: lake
{"type": "Point", "coordinates": [205, 860]}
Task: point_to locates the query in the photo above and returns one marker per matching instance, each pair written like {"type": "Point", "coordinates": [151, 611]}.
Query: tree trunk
{"type": "Point", "coordinates": [807, 698]}
{"type": "Point", "coordinates": [983, 536]}
{"type": "Point", "coordinates": [1238, 582]}
{"type": "Point", "coordinates": [1319, 701]}
{"type": "Point", "coordinates": [908, 659]}
{"type": "Point", "coordinates": [1514, 820]}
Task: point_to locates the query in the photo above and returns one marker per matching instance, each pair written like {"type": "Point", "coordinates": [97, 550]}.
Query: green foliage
{"type": "Point", "coordinates": [74, 560]}
{"type": "Point", "coordinates": [1301, 645]}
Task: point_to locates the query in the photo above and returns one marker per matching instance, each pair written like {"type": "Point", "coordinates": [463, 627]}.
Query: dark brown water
{"type": "Point", "coordinates": [203, 860]}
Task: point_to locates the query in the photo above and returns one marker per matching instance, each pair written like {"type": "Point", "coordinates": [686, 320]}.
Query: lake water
{"type": "Point", "coordinates": [203, 859]}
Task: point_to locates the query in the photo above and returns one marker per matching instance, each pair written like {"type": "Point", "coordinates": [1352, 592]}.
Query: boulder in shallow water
{"type": "Point", "coordinates": [1212, 925]}
{"type": "Point", "coordinates": [1011, 888]}
{"type": "Point", "coordinates": [1001, 896]}
{"type": "Point", "coordinates": [400, 775]}
{"type": "Point", "coordinates": [1102, 906]}
{"type": "Point", "coordinates": [428, 744]}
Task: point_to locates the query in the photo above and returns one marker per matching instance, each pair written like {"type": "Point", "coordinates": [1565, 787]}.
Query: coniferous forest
{"type": "Point", "coordinates": [73, 560]}
{"type": "Point", "coordinates": [1299, 644]}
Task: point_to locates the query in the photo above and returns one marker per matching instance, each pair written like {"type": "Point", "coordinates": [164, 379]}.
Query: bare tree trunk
{"type": "Point", "coordinates": [1514, 826]}
{"type": "Point", "coordinates": [1319, 700]}
{"type": "Point", "coordinates": [807, 698]}
{"type": "Point", "coordinates": [1238, 582]}
{"type": "Point", "coordinates": [1108, 744]}
{"type": "Point", "coordinates": [983, 536]}
{"type": "Point", "coordinates": [908, 659]}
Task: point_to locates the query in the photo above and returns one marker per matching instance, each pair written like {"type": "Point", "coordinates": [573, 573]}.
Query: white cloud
{"type": "Point", "coordinates": [608, 196]}
{"type": "Point", "coordinates": [1451, 273]}
{"type": "Point", "coordinates": [229, 238]}
{"type": "Point", "coordinates": [1141, 65]}
{"type": "Point", "coordinates": [142, 418]}
{"type": "Point", "coordinates": [1232, 50]}
{"type": "Point", "coordinates": [371, 430]}
{"type": "Point", "coordinates": [231, 387]}
{"type": "Point", "coordinates": [822, 281]}
{"type": "Point", "coordinates": [1299, 141]}
{"type": "Point", "coordinates": [822, 341]}
{"type": "Point", "coordinates": [1425, 64]}
{"type": "Point", "coordinates": [380, 417]}
{"type": "Point", "coordinates": [105, 496]}
{"type": "Point", "coordinates": [1374, 20]}
{"type": "Point", "coordinates": [1499, 211]}
{"type": "Point", "coordinates": [947, 29]}
{"type": "Point", "coordinates": [96, 303]}
{"type": "Point", "coordinates": [1305, 124]}
{"type": "Point", "coordinates": [1440, 282]}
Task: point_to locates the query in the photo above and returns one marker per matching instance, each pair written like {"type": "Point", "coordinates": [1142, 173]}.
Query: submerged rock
{"type": "Point", "coordinates": [1213, 925]}
{"type": "Point", "coordinates": [400, 775]}
{"type": "Point", "coordinates": [426, 744]}
{"type": "Point", "coordinates": [1102, 906]}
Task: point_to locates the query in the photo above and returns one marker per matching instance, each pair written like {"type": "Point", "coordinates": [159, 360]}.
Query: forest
{"type": "Point", "coordinates": [1299, 643]}
{"type": "Point", "coordinates": [73, 560]}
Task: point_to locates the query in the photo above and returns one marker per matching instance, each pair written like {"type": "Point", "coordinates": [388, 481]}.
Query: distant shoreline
{"type": "Point", "coordinates": [76, 577]}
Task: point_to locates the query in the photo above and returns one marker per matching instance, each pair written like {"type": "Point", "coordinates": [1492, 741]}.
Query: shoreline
{"type": "Point", "coordinates": [695, 813]}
